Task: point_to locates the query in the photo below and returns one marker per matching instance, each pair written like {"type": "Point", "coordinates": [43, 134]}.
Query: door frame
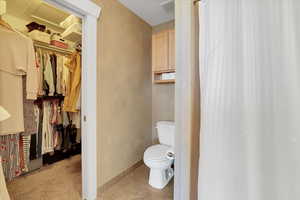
{"type": "Point", "coordinates": [187, 98]}
{"type": "Point", "coordinates": [89, 12]}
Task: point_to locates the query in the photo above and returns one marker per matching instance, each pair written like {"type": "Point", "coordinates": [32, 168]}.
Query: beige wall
{"type": "Point", "coordinates": [124, 89]}
{"type": "Point", "coordinates": [163, 95]}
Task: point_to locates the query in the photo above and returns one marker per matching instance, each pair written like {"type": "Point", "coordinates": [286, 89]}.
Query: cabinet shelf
{"type": "Point", "coordinates": [164, 71]}
{"type": "Point", "coordinates": [164, 81]}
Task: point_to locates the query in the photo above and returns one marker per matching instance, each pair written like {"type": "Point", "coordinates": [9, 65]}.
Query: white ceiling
{"type": "Point", "coordinates": [154, 12]}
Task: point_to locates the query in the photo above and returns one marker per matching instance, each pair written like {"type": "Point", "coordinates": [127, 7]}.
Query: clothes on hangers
{"type": "Point", "coordinates": [40, 70]}
{"type": "Point", "coordinates": [54, 74]}
{"type": "Point", "coordinates": [41, 127]}
{"type": "Point", "coordinates": [30, 125]}
{"type": "Point", "coordinates": [48, 76]}
{"type": "Point", "coordinates": [65, 80]}
{"type": "Point", "coordinates": [59, 70]}
{"type": "Point", "coordinates": [55, 126]}
{"type": "Point", "coordinates": [17, 58]}
{"type": "Point", "coordinates": [9, 152]}
{"type": "Point", "coordinates": [47, 142]}
{"type": "Point", "coordinates": [73, 94]}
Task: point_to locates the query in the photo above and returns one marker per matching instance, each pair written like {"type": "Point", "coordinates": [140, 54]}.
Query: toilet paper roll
{"type": "Point", "coordinates": [170, 154]}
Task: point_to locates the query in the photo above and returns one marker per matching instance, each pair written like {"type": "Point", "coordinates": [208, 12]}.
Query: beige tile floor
{"type": "Point", "coordinates": [135, 186]}
{"type": "Point", "coordinates": [62, 181]}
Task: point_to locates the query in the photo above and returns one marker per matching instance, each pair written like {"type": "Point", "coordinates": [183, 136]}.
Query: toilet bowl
{"type": "Point", "coordinates": [160, 166]}
{"type": "Point", "coordinates": [156, 156]}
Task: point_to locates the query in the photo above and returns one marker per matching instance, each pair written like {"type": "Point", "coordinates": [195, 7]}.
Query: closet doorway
{"type": "Point", "coordinates": [52, 95]}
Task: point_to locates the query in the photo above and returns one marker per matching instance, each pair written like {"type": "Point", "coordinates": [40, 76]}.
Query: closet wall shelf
{"type": "Point", "coordinates": [46, 46]}
{"type": "Point", "coordinates": [164, 81]}
{"type": "Point", "coordinates": [164, 71]}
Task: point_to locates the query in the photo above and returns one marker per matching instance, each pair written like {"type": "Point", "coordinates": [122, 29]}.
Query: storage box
{"type": "Point", "coordinates": [73, 33]}
{"type": "Point", "coordinates": [39, 36]}
{"type": "Point", "coordinates": [59, 44]}
{"type": "Point", "coordinates": [69, 21]}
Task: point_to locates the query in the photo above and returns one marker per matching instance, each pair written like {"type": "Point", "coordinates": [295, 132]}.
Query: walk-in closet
{"type": "Point", "coordinates": [40, 101]}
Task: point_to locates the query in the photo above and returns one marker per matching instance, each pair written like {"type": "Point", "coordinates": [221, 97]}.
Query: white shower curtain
{"type": "Point", "coordinates": [250, 107]}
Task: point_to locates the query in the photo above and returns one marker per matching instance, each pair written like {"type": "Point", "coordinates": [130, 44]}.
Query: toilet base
{"type": "Point", "coordinates": [160, 178]}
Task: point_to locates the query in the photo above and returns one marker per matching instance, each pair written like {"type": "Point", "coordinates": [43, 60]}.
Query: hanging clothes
{"type": "Point", "coordinates": [65, 80]}
{"type": "Point", "coordinates": [28, 112]}
{"type": "Point", "coordinates": [21, 155]}
{"type": "Point", "coordinates": [26, 140]}
{"type": "Point", "coordinates": [9, 151]}
{"type": "Point", "coordinates": [48, 76]}
{"type": "Point", "coordinates": [33, 147]}
{"type": "Point", "coordinates": [17, 58]}
{"type": "Point", "coordinates": [59, 71]}
{"type": "Point", "coordinates": [11, 99]}
{"type": "Point", "coordinates": [40, 70]}
{"type": "Point", "coordinates": [36, 128]}
{"type": "Point", "coordinates": [53, 61]}
{"type": "Point", "coordinates": [72, 96]}
{"type": "Point", "coordinates": [38, 109]}
{"type": "Point", "coordinates": [47, 142]}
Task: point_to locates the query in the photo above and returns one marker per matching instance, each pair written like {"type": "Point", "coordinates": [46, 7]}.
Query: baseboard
{"type": "Point", "coordinates": [119, 177]}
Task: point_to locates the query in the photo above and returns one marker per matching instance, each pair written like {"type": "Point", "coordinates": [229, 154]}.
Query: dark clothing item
{"type": "Point", "coordinates": [40, 134]}
{"type": "Point", "coordinates": [33, 149]}
{"type": "Point", "coordinates": [53, 60]}
{"type": "Point", "coordinates": [35, 26]}
{"type": "Point", "coordinates": [73, 134]}
{"type": "Point", "coordinates": [46, 87]}
{"type": "Point", "coordinates": [66, 144]}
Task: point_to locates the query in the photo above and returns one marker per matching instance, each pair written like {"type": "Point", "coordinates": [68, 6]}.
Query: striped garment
{"type": "Point", "coordinates": [26, 151]}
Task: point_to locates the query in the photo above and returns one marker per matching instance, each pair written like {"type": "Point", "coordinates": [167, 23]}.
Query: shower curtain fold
{"type": "Point", "coordinates": [250, 100]}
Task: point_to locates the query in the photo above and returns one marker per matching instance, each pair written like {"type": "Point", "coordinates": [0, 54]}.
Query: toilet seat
{"type": "Point", "coordinates": [155, 156]}
{"type": "Point", "coordinates": [156, 153]}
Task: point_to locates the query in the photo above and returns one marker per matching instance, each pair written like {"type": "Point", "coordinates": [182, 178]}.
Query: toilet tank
{"type": "Point", "coordinates": [166, 132]}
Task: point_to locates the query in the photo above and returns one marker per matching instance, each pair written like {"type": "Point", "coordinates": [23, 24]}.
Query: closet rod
{"type": "Point", "coordinates": [52, 48]}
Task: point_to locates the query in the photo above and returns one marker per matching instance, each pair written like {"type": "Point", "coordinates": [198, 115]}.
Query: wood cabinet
{"type": "Point", "coordinates": [160, 51]}
{"type": "Point", "coordinates": [163, 51]}
{"type": "Point", "coordinates": [172, 50]}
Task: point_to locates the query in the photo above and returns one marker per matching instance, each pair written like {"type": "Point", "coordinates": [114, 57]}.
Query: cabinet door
{"type": "Point", "coordinates": [172, 62]}
{"type": "Point", "coordinates": [160, 51]}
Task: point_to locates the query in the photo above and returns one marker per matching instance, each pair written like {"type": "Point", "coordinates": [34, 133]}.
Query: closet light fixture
{"type": "Point", "coordinates": [3, 114]}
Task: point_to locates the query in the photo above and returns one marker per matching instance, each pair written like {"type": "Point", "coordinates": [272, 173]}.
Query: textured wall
{"type": "Point", "coordinates": [124, 89]}
{"type": "Point", "coordinates": [163, 95]}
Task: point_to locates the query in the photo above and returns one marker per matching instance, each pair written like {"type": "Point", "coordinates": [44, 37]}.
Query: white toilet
{"type": "Point", "coordinates": [155, 157]}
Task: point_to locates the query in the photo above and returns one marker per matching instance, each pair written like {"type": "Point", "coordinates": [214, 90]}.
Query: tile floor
{"type": "Point", "coordinates": [62, 181]}
{"type": "Point", "coordinates": [135, 186]}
